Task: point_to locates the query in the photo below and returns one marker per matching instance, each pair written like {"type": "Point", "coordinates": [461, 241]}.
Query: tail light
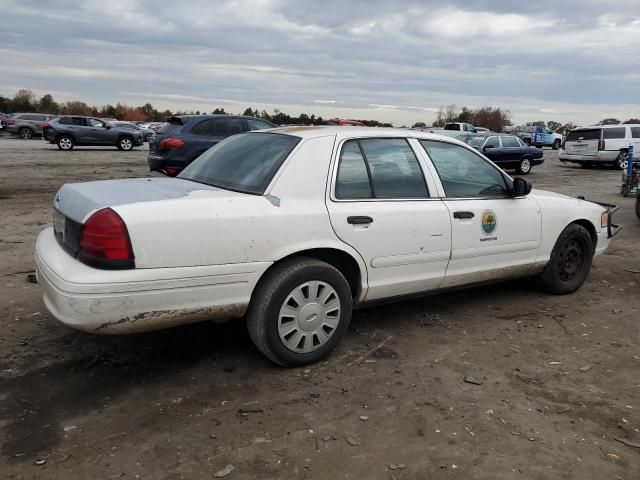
{"type": "Point", "coordinates": [45, 125]}
{"type": "Point", "coordinates": [170, 142]}
{"type": "Point", "coordinates": [104, 241]}
{"type": "Point", "coordinates": [172, 172]}
{"type": "Point", "coordinates": [11, 121]}
{"type": "Point", "coordinates": [601, 140]}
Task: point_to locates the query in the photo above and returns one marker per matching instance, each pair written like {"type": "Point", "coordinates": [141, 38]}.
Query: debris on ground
{"type": "Point", "coordinates": [472, 380]}
{"type": "Point", "coordinates": [226, 471]}
{"type": "Point", "coordinates": [617, 310]}
{"type": "Point", "coordinates": [626, 442]}
{"type": "Point", "coordinates": [431, 320]}
{"type": "Point", "coordinates": [397, 466]}
{"type": "Point", "coordinates": [352, 441]}
{"type": "Point", "coordinates": [40, 461]}
{"type": "Point", "coordinates": [364, 418]}
{"type": "Point", "coordinates": [585, 368]}
{"type": "Point", "coordinates": [31, 278]}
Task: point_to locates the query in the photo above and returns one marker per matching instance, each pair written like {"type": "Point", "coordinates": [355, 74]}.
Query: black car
{"type": "Point", "coordinates": [184, 138]}
{"type": "Point", "coordinates": [506, 151]}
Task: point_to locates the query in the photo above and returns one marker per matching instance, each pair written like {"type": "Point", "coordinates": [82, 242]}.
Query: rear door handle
{"type": "Point", "coordinates": [359, 220]}
{"type": "Point", "coordinates": [463, 215]}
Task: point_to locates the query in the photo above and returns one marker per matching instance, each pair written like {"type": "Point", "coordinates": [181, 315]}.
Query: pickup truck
{"type": "Point", "coordinates": [460, 127]}
{"type": "Point", "coordinates": [537, 136]}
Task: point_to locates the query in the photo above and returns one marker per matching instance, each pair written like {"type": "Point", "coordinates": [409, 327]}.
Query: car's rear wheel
{"type": "Point", "coordinates": [125, 143]}
{"type": "Point", "coordinates": [26, 133]}
{"type": "Point", "coordinates": [570, 261]}
{"type": "Point", "coordinates": [622, 161]}
{"type": "Point", "coordinates": [65, 142]}
{"type": "Point", "coordinates": [525, 166]}
{"type": "Point", "coordinates": [299, 311]}
{"type": "Point", "coordinates": [556, 145]}
{"type": "Point", "coordinates": [148, 137]}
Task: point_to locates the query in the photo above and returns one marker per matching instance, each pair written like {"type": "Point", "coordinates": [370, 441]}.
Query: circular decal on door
{"type": "Point", "coordinates": [489, 222]}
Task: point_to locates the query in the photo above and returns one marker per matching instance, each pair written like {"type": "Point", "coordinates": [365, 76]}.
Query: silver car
{"type": "Point", "coordinates": [27, 125]}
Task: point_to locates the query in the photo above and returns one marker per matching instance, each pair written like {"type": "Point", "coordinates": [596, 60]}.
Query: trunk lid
{"type": "Point", "coordinates": [584, 141]}
{"type": "Point", "coordinates": [172, 124]}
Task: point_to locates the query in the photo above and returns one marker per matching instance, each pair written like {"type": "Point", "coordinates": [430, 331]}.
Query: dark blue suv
{"type": "Point", "coordinates": [184, 138]}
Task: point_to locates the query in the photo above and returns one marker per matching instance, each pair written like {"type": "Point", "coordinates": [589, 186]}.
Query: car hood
{"type": "Point", "coordinates": [77, 200]}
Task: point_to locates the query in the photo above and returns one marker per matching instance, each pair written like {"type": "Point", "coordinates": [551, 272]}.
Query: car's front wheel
{"type": "Point", "coordinates": [299, 311]}
{"type": "Point", "coordinates": [570, 261]}
{"type": "Point", "coordinates": [622, 161]}
{"type": "Point", "coordinates": [125, 143]}
{"type": "Point", "coordinates": [524, 167]}
{"type": "Point", "coordinates": [556, 145]}
{"type": "Point", "coordinates": [26, 133]}
{"type": "Point", "coordinates": [65, 142]}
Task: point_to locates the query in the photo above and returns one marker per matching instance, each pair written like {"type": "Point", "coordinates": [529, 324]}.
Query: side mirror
{"type": "Point", "coordinates": [520, 187]}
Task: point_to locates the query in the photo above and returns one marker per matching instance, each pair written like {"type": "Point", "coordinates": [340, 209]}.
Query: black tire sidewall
{"type": "Point", "coordinates": [26, 129]}
{"type": "Point", "coordinates": [551, 274]}
{"type": "Point", "coordinates": [272, 339]}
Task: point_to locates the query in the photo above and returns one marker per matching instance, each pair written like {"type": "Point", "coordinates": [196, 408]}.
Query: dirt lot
{"type": "Point", "coordinates": [560, 375]}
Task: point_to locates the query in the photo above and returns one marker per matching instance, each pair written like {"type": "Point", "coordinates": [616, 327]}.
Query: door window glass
{"type": "Point", "coordinates": [395, 172]}
{"type": "Point", "coordinates": [509, 142]}
{"type": "Point", "coordinates": [618, 132]}
{"type": "Point", "coordinates": [493, 142]}
{"type": "Point", "coordinates": [353, 179]}
{"type": "Point", "coordinates": [464, 173]}
{"type": "Point", "coordinates": [258, 124]}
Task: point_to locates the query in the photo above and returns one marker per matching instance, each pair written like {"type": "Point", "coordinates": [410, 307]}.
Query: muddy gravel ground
{"type": "Point", "coordinates": [559, 375]}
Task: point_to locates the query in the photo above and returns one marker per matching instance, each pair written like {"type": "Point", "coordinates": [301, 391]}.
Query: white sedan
{"type": "Point", "coordinates": [293, 228]}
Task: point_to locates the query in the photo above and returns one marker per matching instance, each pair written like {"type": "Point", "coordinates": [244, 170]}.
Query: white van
{"type": "Point", "coordinates": [601, 144]}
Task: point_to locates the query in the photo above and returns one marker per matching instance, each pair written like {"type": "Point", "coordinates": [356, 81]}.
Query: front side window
{"type": "Point", "coordinates": [509, 142]}
{"type": "Point", "coordinates": [94, 122]}
{"type": "Point", "coordinates": [245, 163]}
{"type": "Point", "coordinates": [463, 173]}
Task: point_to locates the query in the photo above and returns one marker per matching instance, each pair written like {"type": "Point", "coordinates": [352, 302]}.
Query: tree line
{"type": "Point", "coordinates": [26, 101]}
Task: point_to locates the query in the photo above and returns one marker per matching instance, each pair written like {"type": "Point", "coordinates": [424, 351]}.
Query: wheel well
{"type": "Point", "coordinates": [342, 261]}
{"type": "Point", "coordinates": [25, 127]}
{"type": "Point", "coordinates": [591, 229]}
{"type": "Point", "coordinates": [65, 134]}
{"type": "Point", "coordinates": [124, 135]}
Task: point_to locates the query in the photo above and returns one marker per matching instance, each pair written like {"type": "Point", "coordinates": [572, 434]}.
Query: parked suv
{"type": "Point", "coordinates": [147, 133]}
{"type": "Point", "coordinates": [603, 144]}
{"type": "Point", "coordinates": [182, 139]}
{"type": "Point", "coordinates": [27, 124]}
{"type": "Point", "coordinates": [460, 127]}
{"type": "Point", "coordinates": [69, 131]}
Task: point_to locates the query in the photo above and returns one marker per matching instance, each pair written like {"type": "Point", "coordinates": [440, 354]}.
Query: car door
{"type": "Point", "coordinates": [494, 236]}
{"type": "Point", "coordinates": [492, 149]}
{"type": "Point", "coordinates": [380, 204]}
{"type": "Point", "coordinates": [81, 130]}
{"type": "Point", "coordinates": [100, 134]}
{"type": "Point", "coordinates": [511, 150]}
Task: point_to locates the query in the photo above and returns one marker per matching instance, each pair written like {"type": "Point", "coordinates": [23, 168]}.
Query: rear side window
{"type": "Point", "coordinates": [244, 163]}
{"type": "Point", "coordinates": [65, 121]}
{"type": "Point", "coordinates": [258, 124]}
{"type": "Point", "coordinates": [635, 132]}
{"type": "Point", "coordinates": [462, 172]}
{"type": "Point", "coordinates": [619, 132]}
{"type": "Point", "coordinates": [592, 134]}
{"type": "Point", "coordinates": [169, 127]}
{"type": "Point", "coordinates": [379, 168]}
{"type": "Point", "coordinates": [509, 142]}
{"type": "Point", "coordinates": [80, 121]}
{"type": "Point", "coordinates": [451, 126]}
{"type": "Point", "coordinates": [218, 127]}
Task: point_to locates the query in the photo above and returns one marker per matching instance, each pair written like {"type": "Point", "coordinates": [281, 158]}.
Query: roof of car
{"type": "Point", "coordinates": [342, 132]}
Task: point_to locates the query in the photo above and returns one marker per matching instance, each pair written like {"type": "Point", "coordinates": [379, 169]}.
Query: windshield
{"type": "Point", "coordinates": [244, 163]}
{"type": "Point", "coordinates": [474, 141]}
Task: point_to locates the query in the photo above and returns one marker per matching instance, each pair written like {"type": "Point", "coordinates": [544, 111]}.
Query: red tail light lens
{"type": "Point", "coordinates": [601, 141]}
{"type": "Point", "coordinates": [170, 143]}
{"type": "Point", "coordinates": [11, 121]}
{"type": "Point", "coordinates": [45, 125]}
{"type": "Point", "coordinates": [104, 241]}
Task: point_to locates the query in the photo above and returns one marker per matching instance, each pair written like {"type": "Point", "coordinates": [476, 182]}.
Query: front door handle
{"type": "Point", "coordinates": [463, 215]}
{"type": "Point", "coordinates": [359, 220]}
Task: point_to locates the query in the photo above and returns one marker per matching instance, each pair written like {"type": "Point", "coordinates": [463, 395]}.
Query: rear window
{"type": "Point", "coordinates": [169, 127]}
{"type": "Point", "coordinates": [593, 134]}
{"type": "Point", "coordinates": [451, 126]}
{"type": "Point", "coordinates": [244, 163]}
{"type": "Point", "coordinates": [618, 132]}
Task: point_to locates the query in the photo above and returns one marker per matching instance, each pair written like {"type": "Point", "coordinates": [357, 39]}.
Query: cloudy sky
{"type": "Point", "coordinates": [397, 61]}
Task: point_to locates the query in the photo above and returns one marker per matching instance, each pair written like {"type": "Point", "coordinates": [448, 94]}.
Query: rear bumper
{"type": "Point", "coordinates": [159, 163]}
{"type": "Point", "coordinates": [604, 156]}
{"type": "Point", "coordinates": [127, 301]}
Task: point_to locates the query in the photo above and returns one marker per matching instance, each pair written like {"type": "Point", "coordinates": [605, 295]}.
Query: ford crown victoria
{"type": "Point", "coordinates": [293, 228]}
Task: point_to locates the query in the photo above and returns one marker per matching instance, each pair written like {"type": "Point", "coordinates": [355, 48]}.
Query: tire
{"type": "Point", "coordinates": [125, 143]}
{"type": "Point", "coordinates": [556, 145]}
{"type": "Point", "coordinates": [638, 207]}
{"type": "Point", "coordinates": [624, 190]}
{"type": "Point", "coordinates": [586, 164]}
{"type": "Point", "coordinates": [65, 142]}
{"type": "Point", "coordinates": [25, 133]}
{"type": "Point", "coordinates": [148, 137]}
{"type": "Point", "coordinates": [525, 165]}
{"type": "Point", "coordinates": [621, 161]}
{"type": "Point", "coordinates": [280, 336]}
{"type": "Point", "coordinates": [570, 262]}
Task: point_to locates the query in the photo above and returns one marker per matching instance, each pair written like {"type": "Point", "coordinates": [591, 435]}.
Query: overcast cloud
{"type": "Point", "coordinates": [575, 60]}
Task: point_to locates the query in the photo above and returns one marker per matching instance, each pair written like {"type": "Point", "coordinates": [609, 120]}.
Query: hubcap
{"type": "Point", "coordinates": [309, 316]}
{"type": "Point", "coordinates": [571, 259]}
{"type": "Point", "coordinates": [26, 133]}
{"type": "Point", "coordinates": [65, 143]}
{"type": "Point", "coordinates": [525, 166]}
{"type": "Point", "coordinates": [125, 143]}
{"type": "Point", "coordinates": [623, 161]}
